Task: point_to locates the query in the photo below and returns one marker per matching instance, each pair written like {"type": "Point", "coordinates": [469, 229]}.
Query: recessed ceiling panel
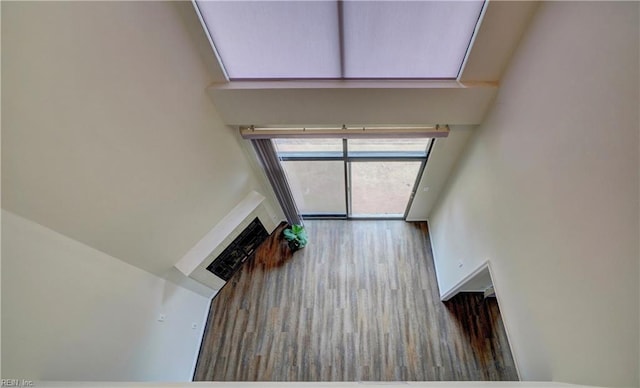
{"type": "Point", "coordinates": [275, 39]}
{"type": "Point", "coordinates": [299, 39]}
{"type": "Point", "coordinates": [407, 39]}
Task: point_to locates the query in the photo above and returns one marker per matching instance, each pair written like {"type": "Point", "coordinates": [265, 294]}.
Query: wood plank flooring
{"type": "Point", "coordinates": [359, 303]}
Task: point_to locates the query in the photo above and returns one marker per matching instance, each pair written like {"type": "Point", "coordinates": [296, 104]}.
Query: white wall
{"type": "Point", "coordinates": [71, 312]}
{"type": "Point", "coordinates": [548, 192]}
{"type": "Point", "coordinates": [442, 160]}
{"type": "Point", "coordinates": [108, 134]}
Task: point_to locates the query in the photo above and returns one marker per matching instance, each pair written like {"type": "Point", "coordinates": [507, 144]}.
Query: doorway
{"type": "Point", "coordinates": [353, 178]}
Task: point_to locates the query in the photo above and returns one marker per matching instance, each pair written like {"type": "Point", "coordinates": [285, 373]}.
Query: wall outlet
{"type": "Point", "coordinates": [161, 318]}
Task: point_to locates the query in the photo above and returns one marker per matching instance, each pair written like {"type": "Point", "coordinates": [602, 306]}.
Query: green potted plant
{"type": "Point", "coordinates": [296, 236]}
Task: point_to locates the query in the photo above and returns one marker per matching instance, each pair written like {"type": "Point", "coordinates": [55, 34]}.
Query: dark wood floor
{"type": "Point", "coordinates": [360, 302]}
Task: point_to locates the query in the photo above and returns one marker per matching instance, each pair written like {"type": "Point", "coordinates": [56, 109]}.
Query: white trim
{"type": "Point", "coordinates": [213, 46]}
{"type": "Point", "coordinates": [354, 84]}
{"type": "Point", "coordinates": [453, 291]}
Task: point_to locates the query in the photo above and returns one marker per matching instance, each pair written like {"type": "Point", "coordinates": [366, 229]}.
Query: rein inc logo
{"type": "Point", "coordinates": [16, 383]}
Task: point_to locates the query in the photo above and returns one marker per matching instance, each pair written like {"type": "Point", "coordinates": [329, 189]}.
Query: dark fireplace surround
{"type": "Point", "coordinates": [240, 249]}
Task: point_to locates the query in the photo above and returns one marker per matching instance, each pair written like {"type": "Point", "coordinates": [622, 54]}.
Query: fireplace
{"type": "Point", "coordinates": [240, 249]}
{"type": "Point", "coordinates": [221, 252]}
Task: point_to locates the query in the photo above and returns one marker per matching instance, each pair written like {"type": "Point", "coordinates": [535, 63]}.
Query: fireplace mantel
{"type": "Point", "coordinates": [194, 263]}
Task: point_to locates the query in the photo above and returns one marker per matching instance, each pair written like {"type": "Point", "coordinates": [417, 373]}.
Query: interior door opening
{"type": "Point", "coordinates": [353, 178]}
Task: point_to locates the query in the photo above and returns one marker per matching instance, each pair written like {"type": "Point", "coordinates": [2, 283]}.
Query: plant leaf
{"type": "Point", "coordinates": [289, 235]}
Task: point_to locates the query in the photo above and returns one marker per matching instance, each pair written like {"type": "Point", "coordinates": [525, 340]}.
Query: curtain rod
{"type": "Point", "coordinates": [344, 132]}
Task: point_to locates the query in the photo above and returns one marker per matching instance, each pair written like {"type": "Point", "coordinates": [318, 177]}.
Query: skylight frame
{"type": "Point", "coordinates": [341, 49]}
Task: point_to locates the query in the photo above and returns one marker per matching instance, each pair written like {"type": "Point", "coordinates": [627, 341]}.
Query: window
{"type": "Point", "coordinates": [355, 178]}
{"type": "Point", "coordinates": [341, 39]}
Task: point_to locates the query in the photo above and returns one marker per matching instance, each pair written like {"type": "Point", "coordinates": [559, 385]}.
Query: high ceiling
{"type": "Point", "coordinates": [356, 62]}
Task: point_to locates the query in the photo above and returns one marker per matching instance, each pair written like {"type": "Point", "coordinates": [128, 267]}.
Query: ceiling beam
{"type": "Point", "coordinates": [352, 103]}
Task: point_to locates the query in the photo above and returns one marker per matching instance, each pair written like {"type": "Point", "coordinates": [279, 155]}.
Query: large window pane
{"type": "Point", "coordinates": [317, 186]}
{"type": "Point", "coordinates": [308, 145]}
{"type": "Point", "coordinates": [382, 188]}
{"type": "Point", "coordinates": [388, 145]}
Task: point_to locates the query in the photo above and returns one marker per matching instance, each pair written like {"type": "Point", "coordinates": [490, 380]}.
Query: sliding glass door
{"type": "Point", "coordinates": [318, 186]}
{"type": "Point", "coordinates": [316, 174]}
{"type": "Point", "coordinates": [382, 188]}
{"type": "Point", "coordinates": [354, 178]}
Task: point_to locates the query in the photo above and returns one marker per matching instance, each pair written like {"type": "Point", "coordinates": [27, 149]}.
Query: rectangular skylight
{"type": "Point", "coordinates": [407, 39]}
{"type": "Point", "coordinates": [341, 39]}
{"type": "Point", "coordinates": [275, 39]}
